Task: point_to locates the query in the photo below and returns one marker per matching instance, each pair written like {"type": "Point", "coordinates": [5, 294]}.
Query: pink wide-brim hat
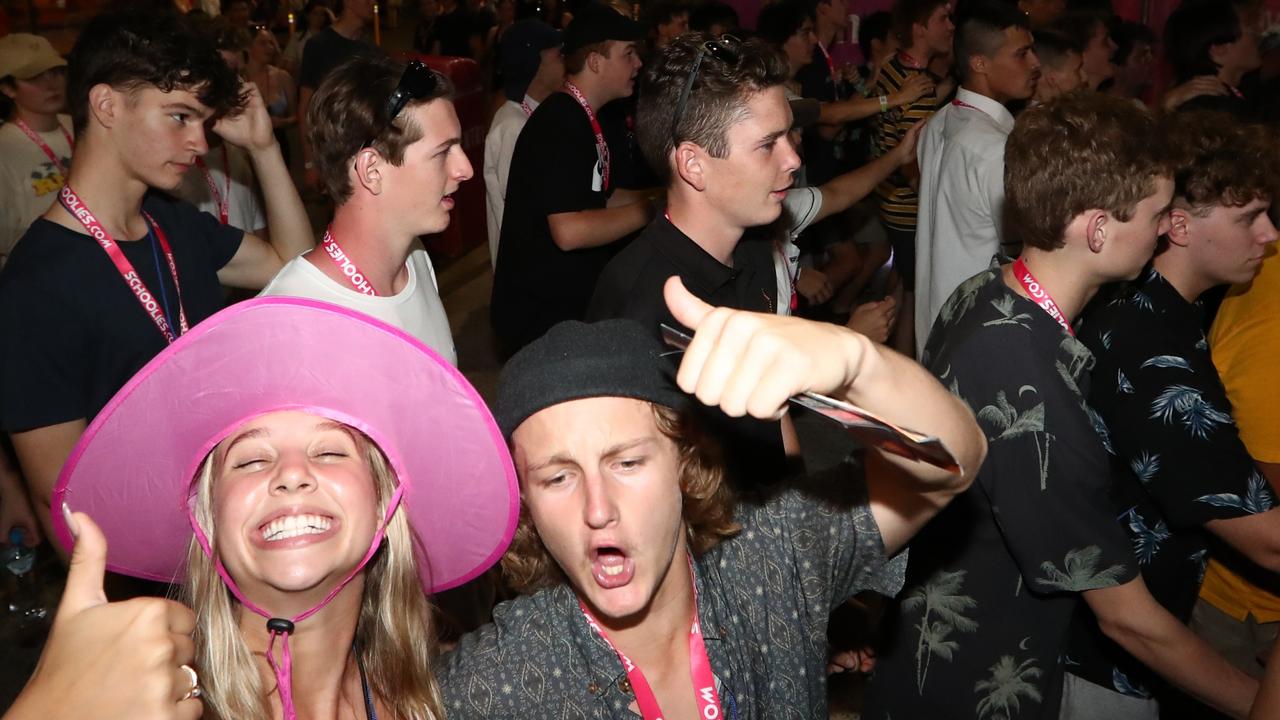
{"type": "Point", "coordinates": [132, 471]}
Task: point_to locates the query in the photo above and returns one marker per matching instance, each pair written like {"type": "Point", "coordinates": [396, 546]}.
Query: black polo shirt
{"type": "Point", "coordinates": [553, 170]}
{"type": "Point", "coordinates": [631, 287]}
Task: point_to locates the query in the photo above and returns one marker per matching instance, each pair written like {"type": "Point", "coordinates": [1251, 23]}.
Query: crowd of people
{"type": "Point", "coordinates": [1023, 255]}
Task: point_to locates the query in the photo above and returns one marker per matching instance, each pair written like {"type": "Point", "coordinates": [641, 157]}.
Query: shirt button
{"type": "Point", "coordinates": [593, 688]}
{"type": "Point", "coordinates": [625, 685]}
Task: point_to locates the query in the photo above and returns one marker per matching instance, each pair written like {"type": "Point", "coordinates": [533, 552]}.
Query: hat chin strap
{"type": "Point", "coordinates": [283, 627]}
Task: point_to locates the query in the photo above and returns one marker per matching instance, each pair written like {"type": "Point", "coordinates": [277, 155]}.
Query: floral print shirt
{"type": "Point", "coordinates": [992, 583]}
{"type": "Point", "coordinates": [1176, 456]}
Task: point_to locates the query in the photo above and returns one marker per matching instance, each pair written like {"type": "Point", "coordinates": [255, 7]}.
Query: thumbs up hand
{"type": "Point", "coordinates": [110, 660]}
{"type": "Point", "coordinates": [750, 363]}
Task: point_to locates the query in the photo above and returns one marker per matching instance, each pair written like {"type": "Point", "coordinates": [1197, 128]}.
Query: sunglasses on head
{"type": "Point", "coordinates": [726, 49]}
{"type": "Point", "coordinates": [418, 81]}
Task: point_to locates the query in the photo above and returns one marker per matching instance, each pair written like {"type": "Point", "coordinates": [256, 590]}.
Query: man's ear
{"type": "Point", "coordinates": [1179, 233]}
{"type": "Point", "coordinates": [367, 169]}
{"type": "Point", "coordinates": [979, 64]}
{"type": "Point", "coordinates": [690, 165]}
{"type": "Point", "coordinates": [1096, 229]}
{"type": "Point", "coordinates": [105, 104]}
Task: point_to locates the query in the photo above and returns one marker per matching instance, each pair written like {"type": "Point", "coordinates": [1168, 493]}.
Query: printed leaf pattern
{"type": "Point", "coordinates": [943, 609]}
{"type": "Point", "coordinates": [1145, 466]}
{"type": "Point", "coordinates": [1125, 686]}
{"type": "Point", "coordinates": [1188, 407]}
{"type": "Point", "coordinates": [1167, 361]}
{"type": "Point", "coordinates": [1257, 498]}
{"type": "Point", "coordinates": [1080, 572]}
{"type": "Point", "coordinates": [1008, 685]}
{"type": "Point", "coordinates": [1146, 540]}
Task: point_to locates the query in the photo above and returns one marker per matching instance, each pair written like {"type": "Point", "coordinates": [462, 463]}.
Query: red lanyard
{"type": "Point", "coordinates": [344, 263]}
{"type": "Point", "coordinates": [528, 111]}
{"type": "Point", "coordinates": [704, 680]}
{"type": "Point", "coordinates": [831, 69]}
{"type": "Point", "coordinates": [40, 143]}
{"type": "Point", "coordinates": [905, 58]}
{"type": "Point", "coordinates": [221, 199]}
{"type": "Point", "coordinates": [1039, 295]}
{"type": "Point", "coordinates": [79, 211]}
{"type": "Point", "coordinates": [602, 148]}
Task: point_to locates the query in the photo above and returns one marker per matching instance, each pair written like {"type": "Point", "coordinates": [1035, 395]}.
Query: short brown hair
{"type": "Point", "coordinates": [1080, 151]}
{"type": "Point", "coordinates": [1218, 160]}
{"type": "Point", "coordinates": [576, 61]}
{"type": "Point", "coordinates": [708, 506]}
{"type": "Point", "coordinates": [717, 100]}
{"type": "Point", "coordinates": [907, 13]}
{"type": "Point", "coordinates": [349, 113]}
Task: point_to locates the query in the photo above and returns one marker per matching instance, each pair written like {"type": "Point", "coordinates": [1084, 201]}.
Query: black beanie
{"type": "Point", "coordinates": [575, 360]}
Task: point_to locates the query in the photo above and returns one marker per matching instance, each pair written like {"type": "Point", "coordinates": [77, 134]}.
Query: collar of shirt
{"type": "Point", "coordinates": [605, 671]}
{"type": "Point", "coordinates": [1074, 355]}
{"type": "Point", "coordinates": [997, 112]}
{"type": "Point", "coordinates": [694, 263]}
{"type": "Point", "coordinates": [1187, 317]}
{"type": "Point", "coordinates": [533, 104]}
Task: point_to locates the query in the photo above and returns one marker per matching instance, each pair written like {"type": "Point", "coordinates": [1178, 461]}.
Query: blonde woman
{"type": "Point", "coordinates": [313, 474]}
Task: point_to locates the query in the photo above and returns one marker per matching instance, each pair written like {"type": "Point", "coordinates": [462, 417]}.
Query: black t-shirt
{"type": "Point", "coordinates": [821, 156]}
{"type": "Point", "coordinates": [631, 287]}
{"type": "Point", "coordinates": [326, 51]}
{"type": "Point", "coordinates": [454, 30]}
{"type": "Point", "coordinates": [554, 169]}
{"type": "Point", "coordinates": [73, 331]}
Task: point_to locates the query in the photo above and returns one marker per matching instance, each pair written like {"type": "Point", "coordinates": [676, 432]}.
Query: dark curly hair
{"type": "Point", "coordinates": [717, 100]}
{"type": "Point", "coordinates": [1080, 151]}
{"type": "Point", "coordinates": [130, 49]}
{"type": "Point", "coordinates": [708, 506]}
{"type": "Point", "coordinates": [1218, 160]}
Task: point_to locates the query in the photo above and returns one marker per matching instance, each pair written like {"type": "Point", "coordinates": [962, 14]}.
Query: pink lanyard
{"type": "Point", "coordinates": [602, 148]}
{"type": "Point", "coordinates": [221, 199]}
{"type": "Point", "coordinates": [528, 111]}
{"type": "Point", "coordinates": [704, 680]}
{"type": "Point", "coordinates": [40, 143]}
{"type": "Point", "coordinates": [1039, 295]}
{"type": "Point", "coordinates": [77, 208]}
{"type": "Point", "coordinates": [345, 264]}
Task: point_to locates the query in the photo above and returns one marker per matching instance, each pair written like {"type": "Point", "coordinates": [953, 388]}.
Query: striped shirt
{"type": "Point", "coordinates": [898, 201]}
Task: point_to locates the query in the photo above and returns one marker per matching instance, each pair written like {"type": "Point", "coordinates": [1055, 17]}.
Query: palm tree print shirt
{"type": "Point", "coordinates": [992, 582]}
{"type": "Point", "coordinates": [1176, 456]}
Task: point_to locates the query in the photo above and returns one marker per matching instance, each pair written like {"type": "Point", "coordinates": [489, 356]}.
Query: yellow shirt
{"type": "Point", "coordinates": [1245, 342]}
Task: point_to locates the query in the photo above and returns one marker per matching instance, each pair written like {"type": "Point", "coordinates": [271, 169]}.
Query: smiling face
{"type": "Point", "coordinates": [1228, 243]}
{"type": "Point", "coordinates": [294, 505]}
{"type": "Point", "coordinates": [158, 135]}
{"type": "Point", "coordinates": [419, 190]}
{"type": "Point", "coordinates": [748, 185]}
{"type": "Point", "coordinates": [602, 486]}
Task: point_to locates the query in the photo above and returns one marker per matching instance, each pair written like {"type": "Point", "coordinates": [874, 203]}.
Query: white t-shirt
{"type": "Point", "coordinates": [244, 209]}
{"type": "Point", "coordinates": [801, 205]}
{"type": "Point", "coordinates": [961, 156]}
{"type": "Point", "coordinates": [29, 181]}
{"type": "Point", "coordinates": [499, 146]}
{"type": "Point", "coordinates": [416, 309]}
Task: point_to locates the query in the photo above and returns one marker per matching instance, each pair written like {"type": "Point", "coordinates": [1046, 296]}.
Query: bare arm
{"type": "Point", "coordinates": [41, 454]}
{"type": "Point", "coordinates": [1257, 537]}
{"type": "Point", "coordinates": [593, 228]}
{"type": "Point", "coordinates": [842, 192]}
{"type": "Point", "coordinates": [15, 508]}
{"type": "Point", "coordinates": [751, 363]}
{"type": "Point", "coordinates": [1133, 619]}
{"type": "Point", "coordinates": [258, 260]}
{"type": "Point", "coordinates": [1267, 705]}
{"type": "Point", "coordinates": [838, 113]}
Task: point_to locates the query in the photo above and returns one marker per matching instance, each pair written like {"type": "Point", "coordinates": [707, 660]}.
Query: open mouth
{"type": "Point", "coordinates": [611, 566]}
{"type": "Point", "coordinates": [292, 526]}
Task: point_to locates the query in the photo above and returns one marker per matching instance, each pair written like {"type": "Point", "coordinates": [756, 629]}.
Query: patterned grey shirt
{"type": "Point", "coordinates": [764, 599]}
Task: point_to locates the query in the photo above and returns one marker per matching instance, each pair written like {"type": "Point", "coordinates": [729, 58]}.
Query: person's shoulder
{"type": "Point", "coordinates": [523, 631]}
{"type": "Point", "coordinates": [46, 256]}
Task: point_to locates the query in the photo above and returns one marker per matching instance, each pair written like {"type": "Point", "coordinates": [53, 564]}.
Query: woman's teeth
{"type": "Point", "coordinates": [291, 526]}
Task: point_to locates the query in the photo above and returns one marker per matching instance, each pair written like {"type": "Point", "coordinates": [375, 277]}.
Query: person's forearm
{"type": "Point", "coordinates": [901, 391]}
{"type": "Point", "coordinates": [1159, 641]}
{"type": "Point", "coordinates": [841, 193]}
{"type": "Point", "coordinates": [286, 217]}
{"type": "Point", "coordinates": [845, 111]}
{"type": "Point", "coordinates": [594, 228]}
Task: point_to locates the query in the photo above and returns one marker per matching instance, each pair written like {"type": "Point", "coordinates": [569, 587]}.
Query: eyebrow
{"type": "Point", "coordinates": [772, 137]}
{"type": "Point", "coordinates": [246, 435]}
{"type": "Point", "coordinates": [457, 140]}
{"type": "Point", "coordinates": [611, 451]}
{"type": "Point", "coordinates": [187, 108]}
